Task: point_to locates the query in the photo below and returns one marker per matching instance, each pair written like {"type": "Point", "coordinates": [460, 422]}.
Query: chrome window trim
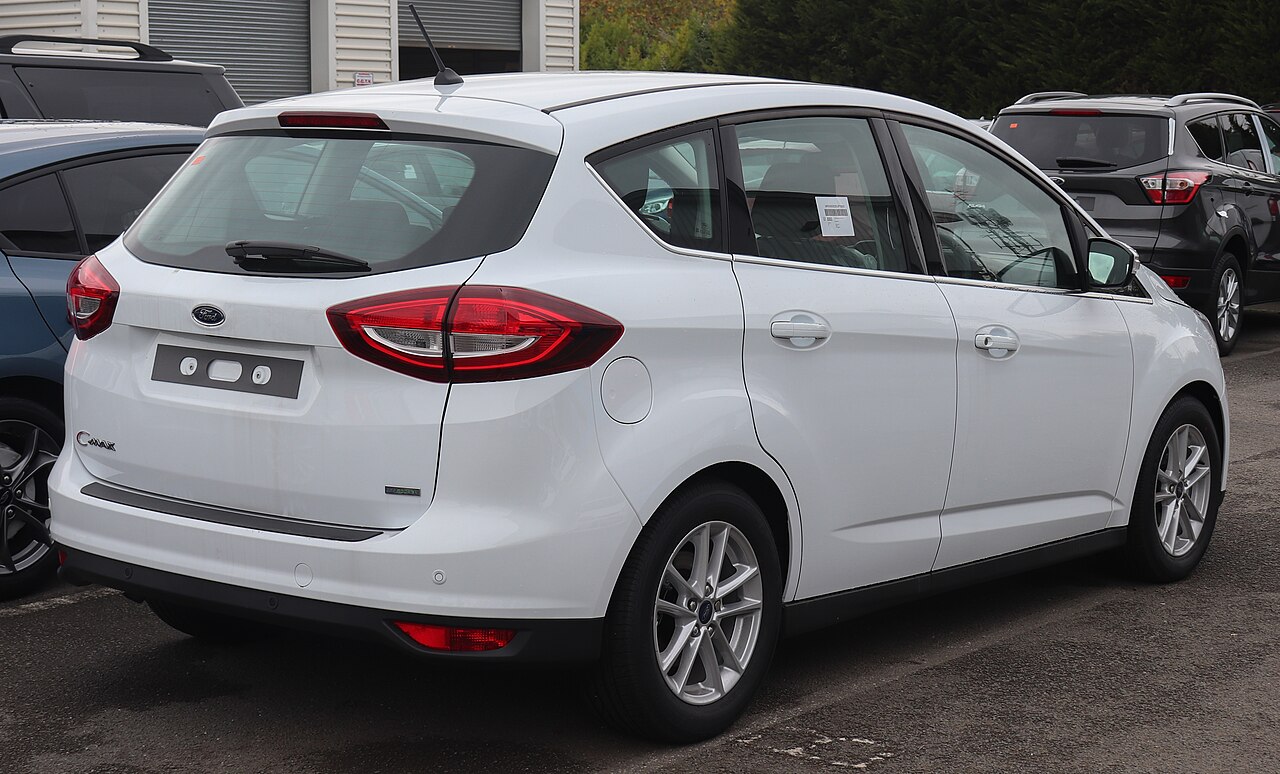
{"type": "Point", "coordinates": [1040, 289]}
{"type": "Point", "coordinates": [784, 263]}
{"type": "Point", "coordinates": [686, 251]}
{"type": "Point", "coordinates": [1173, 128]}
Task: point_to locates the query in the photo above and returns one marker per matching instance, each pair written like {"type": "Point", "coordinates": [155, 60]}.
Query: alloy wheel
{"type": "Point", "coordinates": [27, 454]}
{"type": "Point", "coordinates": [1183, 488]}
{"type": "Point", "coordinates": [1228, 305]}
{"type": "Point", "coordinates": [708, 613]}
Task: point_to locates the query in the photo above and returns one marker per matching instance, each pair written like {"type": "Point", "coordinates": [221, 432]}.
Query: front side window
{"type": "Point", "coordinates": [993, 222]}
{"type": "Point", "coordinates": [1271, 138]}
{"type": "Point", "coordinates": [364, 198]}
{"type": "Point", "coordinates": [109, 195]}
{"type": "Point", "coordinates": [818, 193]}
{"type": "Point", "coordinates": [1207, 136]}
{"type": "Point", "coordinates": [34, 217]}
{"type": "Point", "coordinates": [1243, 147]}
{"type": "Point", "coordinates": [672, 186]}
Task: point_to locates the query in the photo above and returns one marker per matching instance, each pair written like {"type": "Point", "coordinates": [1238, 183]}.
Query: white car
{"type": "Point", "coordinates": [512, 415]}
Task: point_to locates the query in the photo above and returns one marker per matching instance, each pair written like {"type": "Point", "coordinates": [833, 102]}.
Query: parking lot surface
{"type": "Point", "coordinates": [1072, 668]}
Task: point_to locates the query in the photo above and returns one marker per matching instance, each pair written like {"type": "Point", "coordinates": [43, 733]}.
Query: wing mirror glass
{"type": "Point", "coordinates": [1111, 264]}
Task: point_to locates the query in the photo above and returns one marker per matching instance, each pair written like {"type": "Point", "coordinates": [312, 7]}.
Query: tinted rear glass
{"type": "Point", "coordinates": [396, 203]}
{"type": "Point", "coordinates": [121, 95]}
{"type": "Point", "coordinates": [1085, 143]}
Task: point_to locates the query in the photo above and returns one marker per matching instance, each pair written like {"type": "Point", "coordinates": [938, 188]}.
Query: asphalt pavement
{"type": "Point", "coordinates": [1071, 668]}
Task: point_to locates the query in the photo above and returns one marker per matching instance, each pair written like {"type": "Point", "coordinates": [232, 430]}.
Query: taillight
{"type": "Point", "coordinates": [331, 121]}
{"type": "Point", "coordinates": [474, 333]}
{"type": "Point", "coordinates": [1173, 187]}
{"type": "Point", "coordinates": [91, 298]}
{"type": "Point", "coordinates": [1075, 112]}
{"type": "Point", "coordinates": [456, 638]}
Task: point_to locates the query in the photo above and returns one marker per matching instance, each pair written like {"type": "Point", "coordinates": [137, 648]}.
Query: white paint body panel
{"type": "Point", "coordinates": [533, 495]}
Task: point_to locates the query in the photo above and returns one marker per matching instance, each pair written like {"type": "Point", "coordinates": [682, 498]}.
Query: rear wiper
{"type": "Point", "coordinates": [1069, 162]}
{"type": "Point", "coordinates": [248, 250]}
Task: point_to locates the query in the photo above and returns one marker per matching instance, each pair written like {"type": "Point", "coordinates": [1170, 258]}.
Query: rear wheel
{"type": "Point", "coordinates": [30, 439]}
{"type": "Point", "coordinates": [1176, 503]}
{"type": "Point", "coordinates": [205, 624]}
{"type": "Point", "coordinates": [694, 618]}
{"type": "Point", "coordinates": [1227, 303]}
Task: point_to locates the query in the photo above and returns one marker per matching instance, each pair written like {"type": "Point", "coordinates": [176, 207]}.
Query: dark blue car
{"type": "Point", "coordinates": [67, 189]}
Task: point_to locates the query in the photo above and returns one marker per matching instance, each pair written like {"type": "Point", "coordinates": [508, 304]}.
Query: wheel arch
{"type": "Point", "coordinates": [45, 392]}
{"type": "Point", "coordinates": [1209, 397]}
{"type": "Point", "coordinates": [1237, 245]}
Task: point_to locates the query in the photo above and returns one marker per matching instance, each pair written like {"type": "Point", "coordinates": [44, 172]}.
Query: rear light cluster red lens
{"type": "Point", "coordinates": [331, 121]}
{"type": "Point", "coordinates": [1176, 281]}
{"type": "Point", "coordinates": [456, 639]}
{"type": "Point", "coordinates": [1075, 112]}
{"type": "Point", "coordinates": [1173, 187]}
{"type": "Point", "coordinates": [474, 333]}
{"type": "Point", "coordinates": [92, 294]}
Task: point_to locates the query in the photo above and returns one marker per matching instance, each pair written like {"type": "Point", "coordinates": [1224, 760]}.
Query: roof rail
{"type": "Point", "coordinates": [145, 53]}
{"type": "Point", "coordinates": [1041, 96]}
{"type": "Point", "coordinates": [1208, 96]}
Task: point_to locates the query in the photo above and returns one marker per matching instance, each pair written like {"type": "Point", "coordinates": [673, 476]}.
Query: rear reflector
{"type": "Point", "coordinates": [455, 638]}
{"type": "Point", "coordinates": [1173, 187]}
{"type": "Point", "coordinates": [477, 333]}
{"type": "Point", "coordinates": [1176, 281]}
{"type": "Point", "coordinates": [331, 121]}
{"type": "Point", "coordinates": [92, 294]}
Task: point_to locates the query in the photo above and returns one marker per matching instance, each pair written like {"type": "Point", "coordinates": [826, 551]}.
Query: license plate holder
{"type": "Point", "coordinates": [258, 374]}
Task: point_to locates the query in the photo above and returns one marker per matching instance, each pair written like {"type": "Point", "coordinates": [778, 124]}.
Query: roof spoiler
{"type": "Point", "coordinates": [1041, 96]}
{"type": "Point", "coordinates": [1208, 96]}
{"type": "Point", "coordinates": [145, 53]}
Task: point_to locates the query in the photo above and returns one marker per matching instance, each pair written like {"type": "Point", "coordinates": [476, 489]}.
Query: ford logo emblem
{"type": "Point", "coordinates": [208, 316]}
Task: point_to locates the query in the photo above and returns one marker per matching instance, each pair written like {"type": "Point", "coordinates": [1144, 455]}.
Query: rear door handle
{"type": "Point", "coordinates": [799, 330]}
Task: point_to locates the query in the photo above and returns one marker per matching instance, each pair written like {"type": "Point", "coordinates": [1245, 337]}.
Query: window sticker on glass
{"type": "Point", "coordinates": [834, 216]}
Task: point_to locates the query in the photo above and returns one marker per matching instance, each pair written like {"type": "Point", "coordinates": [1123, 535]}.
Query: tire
{"type": "Point", "coordinates": [630, 690]}
{"type": "Point", "coordinates": [30, 439]}
{"type": "Point", "coordinates": [206, 625]}
{"type": "Point", "coordinates": [1166, 555]}
{"type": "Point", "coordinates": [1225, 313]}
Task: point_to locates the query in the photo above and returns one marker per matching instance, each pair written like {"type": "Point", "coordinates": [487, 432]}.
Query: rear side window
{"type": "Point", "coordinates": [673, 186]}
{"type": "Point", "coordinates": [818, 193]}
{"type": "Point", "coordinates": [1085, 142]}
{"type": "Point", "coordinates": [34, 217]}
{"type": "Point", "coordinates": [109, 196]}
{"type": "Point", "coordinates": [360, 196]}
{"type": "Point", "coordinates": [1240, 137]}
{"type": "Point", "coordinates": [1271, 134]}
{"type": "Point", "coordinates": [121, 95]}
{"type": "Point", "coordinates": [1206, 134]}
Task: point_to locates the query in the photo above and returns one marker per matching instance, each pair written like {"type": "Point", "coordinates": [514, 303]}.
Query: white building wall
{"type": "Point", "coordinates": [118, 19]}
{"type": "Point", "coordinates": [367, 41]}
{"type": "Point", "coordinates": [550, 35]}
{"type": "Point", "coordinates": [40, 17]}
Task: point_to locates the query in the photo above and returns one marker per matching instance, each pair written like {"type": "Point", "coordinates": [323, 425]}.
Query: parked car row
{"type": "Point", "coordinates": [639, 371]}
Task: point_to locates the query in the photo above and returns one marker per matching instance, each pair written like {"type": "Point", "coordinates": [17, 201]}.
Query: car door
{"type": "Point", "coordinates": [1045, 372]}
{"type": "Point", "coordinates": [1252, 187]}
{"type": "Point", "coordinates": [849, 348]}
{"type": "Point", "coordinates": [59, 217]}
{"type": "Point", "coordinates": [1267, 262]}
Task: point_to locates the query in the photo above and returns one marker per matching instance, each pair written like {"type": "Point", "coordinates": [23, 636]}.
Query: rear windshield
{"type": "Point", "coordinates": [122, 95]}
{"type": "Point", "coordinates": [1085, 143]}
{"type": "Point", "coordinates": [395, 203]}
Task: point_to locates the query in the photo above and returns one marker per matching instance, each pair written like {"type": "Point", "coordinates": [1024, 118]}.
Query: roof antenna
{"type": "Point", "coordinates": [444, 75]}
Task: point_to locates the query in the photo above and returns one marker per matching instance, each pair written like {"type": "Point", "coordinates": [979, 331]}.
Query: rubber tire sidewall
{"type": "Point", "coordinates": [1147, 557]}
{"type": "Point", "coordinates": [43, 571]}
{"type": "Point", "coordinates": [629, 689]}
{"type": "Point", "coordinates": [1225, 261]}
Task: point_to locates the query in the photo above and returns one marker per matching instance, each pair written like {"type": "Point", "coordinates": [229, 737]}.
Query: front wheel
{"type": "Point", "coordinates": [1176, 503]}
{"type": "Point", "coordinates": [694, 619]}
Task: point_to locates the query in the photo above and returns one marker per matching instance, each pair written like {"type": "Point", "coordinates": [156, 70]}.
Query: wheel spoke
{"type": "Point", "coordinates": [25, 475]}
{"type": "Point", "coordinates": [42, 532]}
{"type": "Point", "coordinates": [678, 580]}
{"type": "Point", "coordinates": [1169, 526]}
{"type": "Point", "coordinates": [1193, 460]}
{"type": "Point", "coordinates": [1179, 460]}
{"type": "Point", "coordinates": [735, 581]}
{"type": "Point", "coordinates": [688, 656]}
{"type": "Point", "coordinates": [1184, 522]}
{"type": "Point", "coordinates": [27, 454]}
{"type": "Point", "coordinates": [6, 558]}
{"type": "Point", "coordinates": [1166, 479]}
{"type": "Point", "coordinates": [719, 545]}
{"type": "Point", "coordinates": [738, 608]}
{"type": "Point", "coordinates": [679, 643]}
{"type": "Point", "coordinates": [725, 647]}
{"type": "Point", "coordinates": [674, 610]}
{"type": "Point", "coordinates": [1191, 512]}
{"type": "Point", "coordinates": [1195, 476]}
{"type": "Point", "coordinates": [711, 665]}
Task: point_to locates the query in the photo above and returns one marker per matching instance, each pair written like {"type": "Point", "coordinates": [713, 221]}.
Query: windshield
{"type": "Point", "coordinates": [395, 203]}
{"type": "Point", "coordinates": [1085, 143]}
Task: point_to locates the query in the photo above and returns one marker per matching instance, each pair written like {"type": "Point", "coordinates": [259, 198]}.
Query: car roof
{"type": "Point", "coordinates": [31, 143]}
{"type": "Point", "coordinates": [1156, 104]}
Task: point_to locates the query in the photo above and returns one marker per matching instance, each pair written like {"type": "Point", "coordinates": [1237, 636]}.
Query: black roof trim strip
{"type": "Point", "coordinates": [657, 90]}
{"type": "Point", "coordinates": [244, 519]}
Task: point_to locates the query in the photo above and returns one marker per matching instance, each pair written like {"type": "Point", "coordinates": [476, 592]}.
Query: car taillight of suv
{"type": "Point", "coordinates": [1173, 187]}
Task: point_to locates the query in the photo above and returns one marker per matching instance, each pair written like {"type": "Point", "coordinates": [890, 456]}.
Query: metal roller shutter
{"type": "Point", "coordinates": [493, 24]}
{"type": "Point", "coordinates": [264, 44]}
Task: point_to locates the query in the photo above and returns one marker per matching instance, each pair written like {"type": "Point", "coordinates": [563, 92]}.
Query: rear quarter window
{"type": "Point", "coordinates": [1086, 142]}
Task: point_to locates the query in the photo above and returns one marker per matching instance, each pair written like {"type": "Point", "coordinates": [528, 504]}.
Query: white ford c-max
{"type": "Point", "coordinates": [639, 369]}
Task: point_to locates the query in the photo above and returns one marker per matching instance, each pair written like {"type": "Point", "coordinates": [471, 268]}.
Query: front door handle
{"type": "Point", "coordinates": [789, 329]}
{"type": "Point", "coordinates": [995, 341]}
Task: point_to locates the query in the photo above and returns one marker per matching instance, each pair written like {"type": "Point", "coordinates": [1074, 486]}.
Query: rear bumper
{"type": "Point", "coordinates": [536, 641]}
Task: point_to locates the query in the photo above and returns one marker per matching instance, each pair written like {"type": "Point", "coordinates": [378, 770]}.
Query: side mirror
{"type": "Point", "coordinates": [1110, 264]}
